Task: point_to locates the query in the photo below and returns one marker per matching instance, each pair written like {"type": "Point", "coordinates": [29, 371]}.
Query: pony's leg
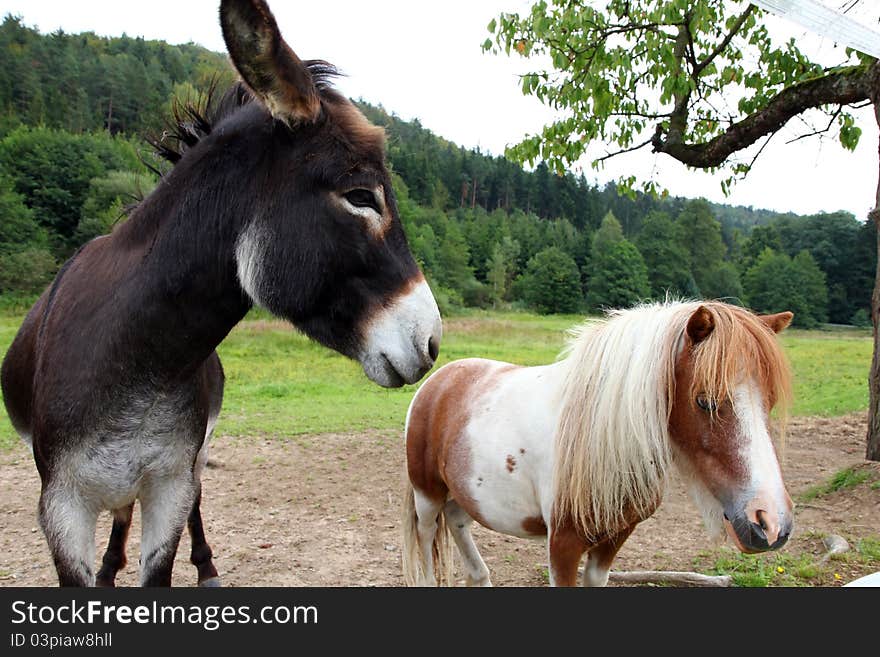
{"type": "Point", "coordinates": [565, 548]}
{"type": "Point", "coordinates": [427, 511]}
{"type": "Point", "coordinates": [201, 555]}
{"type": "Point", "coordinates": [599, 558]}
{"type": "Point", "coordinates": [459, 523]}
{"type": "Point", "coordinates": [114, 558]}
{"type": "Point", "coordinates": [69, 525]}
{"type": "Point", "coordinates": [165, 505]}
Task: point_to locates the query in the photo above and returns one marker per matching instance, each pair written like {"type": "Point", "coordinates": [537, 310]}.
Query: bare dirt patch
{"type": "Point", "coordinates": [323, 511]}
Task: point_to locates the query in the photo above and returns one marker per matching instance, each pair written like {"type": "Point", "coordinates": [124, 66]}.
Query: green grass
{"type": "Point", "coordinates": [787, 568]}
{"type": "Point", "coordinates": [780, 569]}
{"type": "Point", "coordinates": [831, 370]}
{"type": "Point", "coordinates": [846, 478]}
{"type": "Point", "coordinates": [281, 384]}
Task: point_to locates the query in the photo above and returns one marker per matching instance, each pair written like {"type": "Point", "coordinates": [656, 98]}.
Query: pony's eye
{"type": "Point", "coordinates": [363, 198]}
{"type": "Point", "coordinates": [707, 404]}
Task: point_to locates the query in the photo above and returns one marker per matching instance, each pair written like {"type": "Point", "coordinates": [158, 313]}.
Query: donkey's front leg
{"type": "Point", "coordinates": [68, 520]}
{"type": "Point", "coordinates": [565, 547]}
{"type": "Point", "coordinates": [165, 505]}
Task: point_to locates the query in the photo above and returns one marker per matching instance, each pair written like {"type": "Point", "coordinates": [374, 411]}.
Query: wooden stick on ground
{"type": "Point", "coordinates": [669, 577]}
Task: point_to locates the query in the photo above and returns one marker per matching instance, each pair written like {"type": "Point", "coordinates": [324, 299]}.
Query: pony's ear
{"type": "Point", "coordinates": [266, 63]}
{"type": "Point", "coordinates": [777, 322]}
{"type": "Point", "coordinates": [700, 325]}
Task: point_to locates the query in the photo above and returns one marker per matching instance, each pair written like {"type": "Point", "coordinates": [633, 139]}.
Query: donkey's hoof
{"type": "Point", "coordinates": [210, 583]}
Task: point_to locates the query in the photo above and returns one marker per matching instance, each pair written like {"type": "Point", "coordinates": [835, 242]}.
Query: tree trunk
{"type": "Point", "coordinates": [872, 452]}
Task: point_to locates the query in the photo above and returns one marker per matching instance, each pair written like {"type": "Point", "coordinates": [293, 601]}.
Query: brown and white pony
{"type": "Point", "coordinates": [279, 197]}
{"type": "Point", "coordinates": [580, 450]}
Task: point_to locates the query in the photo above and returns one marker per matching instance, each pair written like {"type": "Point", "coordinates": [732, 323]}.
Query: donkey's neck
{"type": "Point", "coordinates": [184, 295]}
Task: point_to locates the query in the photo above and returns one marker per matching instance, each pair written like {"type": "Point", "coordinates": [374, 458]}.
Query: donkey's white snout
{"type": "Point", "coordinates": [402, 341]}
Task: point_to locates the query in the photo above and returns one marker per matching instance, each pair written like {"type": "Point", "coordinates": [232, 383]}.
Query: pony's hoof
{"type": "Point", "coordinates": [210, 583]}
{"type": "Point", "coordinates": [484, 582]}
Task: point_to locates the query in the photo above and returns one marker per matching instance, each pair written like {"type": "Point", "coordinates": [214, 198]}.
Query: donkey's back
{"type": "Point", "coordinates": [17, 373]}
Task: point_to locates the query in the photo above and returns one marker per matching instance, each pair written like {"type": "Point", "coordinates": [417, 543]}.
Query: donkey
{"type": "Point", "coordinates": [281, 198]}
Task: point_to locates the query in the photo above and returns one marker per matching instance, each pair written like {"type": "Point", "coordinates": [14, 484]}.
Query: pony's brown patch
{"type": "Point", "coordinates": [535, 526]}
{"type": "Point", "coordinates": [438, 458]}
{"type": "Point", "coordinates": [567, 547]}
{"type": "Point", "coordinates": [510, 463]}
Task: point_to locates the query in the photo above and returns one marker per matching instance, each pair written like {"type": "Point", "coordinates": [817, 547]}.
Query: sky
{"type": "Point", "coordinates": [422, 59]}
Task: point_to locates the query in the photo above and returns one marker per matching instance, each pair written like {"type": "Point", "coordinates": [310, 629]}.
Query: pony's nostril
{"type": "Point", "coordinates": [758, 535]}
{"type": "Point", "coordinates": [762, 521]}
{"type": "Point", "coordinates": [433, 347]}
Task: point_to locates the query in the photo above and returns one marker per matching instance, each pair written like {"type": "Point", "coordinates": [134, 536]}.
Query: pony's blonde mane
{"type": "Point", "coordinates": [612, 442]}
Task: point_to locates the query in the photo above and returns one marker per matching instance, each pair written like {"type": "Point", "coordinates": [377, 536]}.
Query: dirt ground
{"type": "Point", "coordinates": [323, 511]}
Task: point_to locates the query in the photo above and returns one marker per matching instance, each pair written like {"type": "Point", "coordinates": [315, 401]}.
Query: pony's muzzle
{"type": "Point", "coordinates": [760, 526]}
{"type": "Point", "coordinates": [403, 339]}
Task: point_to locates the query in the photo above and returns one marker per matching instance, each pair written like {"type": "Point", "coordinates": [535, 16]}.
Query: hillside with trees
{"type": "Point", "coordinates": [75, 111]}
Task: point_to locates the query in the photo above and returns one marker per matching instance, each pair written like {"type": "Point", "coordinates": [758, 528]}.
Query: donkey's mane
{"type": "Point", "coordinates": [193, 120]}
{"type": "Point", "coordinates": [612, 443]}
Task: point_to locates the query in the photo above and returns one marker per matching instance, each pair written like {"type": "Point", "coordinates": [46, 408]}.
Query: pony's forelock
{"type": "Point", "coordinates": [740, 342]}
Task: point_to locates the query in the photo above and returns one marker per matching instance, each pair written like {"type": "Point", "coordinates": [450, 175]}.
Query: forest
{"type": "Point", "coordinates": [76, 112]}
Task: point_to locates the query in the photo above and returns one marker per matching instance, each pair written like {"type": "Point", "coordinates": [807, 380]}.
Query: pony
{"type": "Point", "coordinates": [579, 450]}
{"type": "Point", "coordinates": [280, 197]}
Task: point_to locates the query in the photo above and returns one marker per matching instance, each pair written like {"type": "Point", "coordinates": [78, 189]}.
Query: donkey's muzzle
{"type": "Point", "coordinates": [402, 340]}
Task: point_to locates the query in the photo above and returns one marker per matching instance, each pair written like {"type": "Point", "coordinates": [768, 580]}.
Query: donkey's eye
{"type": "Point", "coordinates": [707, 404]}
{"type": "Point", "coordinates": [363, 198]}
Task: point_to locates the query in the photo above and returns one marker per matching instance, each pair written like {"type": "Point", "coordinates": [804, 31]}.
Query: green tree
{"type": "Point", "coordinates": [453, 270]}
{"type": "Point", "coordinates": [701, 235]}
{"type": "Point", "coordinates": [18, 229]}
{"type": "Point", "coordinates": [761, 237]}
{"type": "Point", "coordinates": [660, 73]}
{"type": "Point", "coordinates": [723, 282]}
{"type": "Point", "coordinates": [666, 258]}
{"type": "Point", "coordinates": [52, 171]}
{"type": "Point", "coordinates": [776, 283]}
{"type": "Point", "coordinates": [619, 278]}
{"type": "Point", "coordinates": [501, 268]}
{"type": "Point", "coordinates": [27, 271]}
{"type": "Point", "coordinates": [608, 234]}
{"type": "Point", "coordinates": [552, 282]}
{"type": "Point", "coordinates": [107, 199]}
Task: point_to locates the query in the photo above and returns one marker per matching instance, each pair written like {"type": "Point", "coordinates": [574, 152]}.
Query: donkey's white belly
{"type": "Point", "coordinates": [510, 436]}
{"type": "Point", "coordinates": [110, 472]}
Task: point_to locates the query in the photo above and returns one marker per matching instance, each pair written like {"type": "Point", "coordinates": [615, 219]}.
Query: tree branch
{"type": "Point", "coordinates": [698, 68]}
{"type": "Point", "coordinates": [816, 133]}
{"type": "Point", "coordinates": [625, 150]}
{"type": "Point", "coordinates": [842, 87]}
{"type": "Point", "coordinates": [679, 115]}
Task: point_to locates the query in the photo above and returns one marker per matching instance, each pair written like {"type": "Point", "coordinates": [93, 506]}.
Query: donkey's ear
{"type": "Point", "coordinates": [777, 322]}
{"type": "Point", "coordinates": [700, 325]}
{"type": "Point", "coordinates": [266, 63]}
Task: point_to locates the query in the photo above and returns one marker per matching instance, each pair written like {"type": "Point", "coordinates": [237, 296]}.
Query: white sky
{"type": "Point", "coordinates": [423, 60]}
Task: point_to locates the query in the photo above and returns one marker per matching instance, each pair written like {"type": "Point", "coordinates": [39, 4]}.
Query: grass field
{"type": "Point", "coordinates": [281, 384]}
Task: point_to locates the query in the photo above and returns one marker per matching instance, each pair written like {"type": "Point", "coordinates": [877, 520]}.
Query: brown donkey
{"type": "Point", "coordinates": [279, 197]}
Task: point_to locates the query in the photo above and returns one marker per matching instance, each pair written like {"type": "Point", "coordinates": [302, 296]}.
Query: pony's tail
{"type": "Point", "coordinates": [415, 570]}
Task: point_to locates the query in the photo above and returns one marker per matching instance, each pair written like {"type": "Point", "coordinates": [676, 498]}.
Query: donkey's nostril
{"type": "Point", "coordinates": [433, 347]}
